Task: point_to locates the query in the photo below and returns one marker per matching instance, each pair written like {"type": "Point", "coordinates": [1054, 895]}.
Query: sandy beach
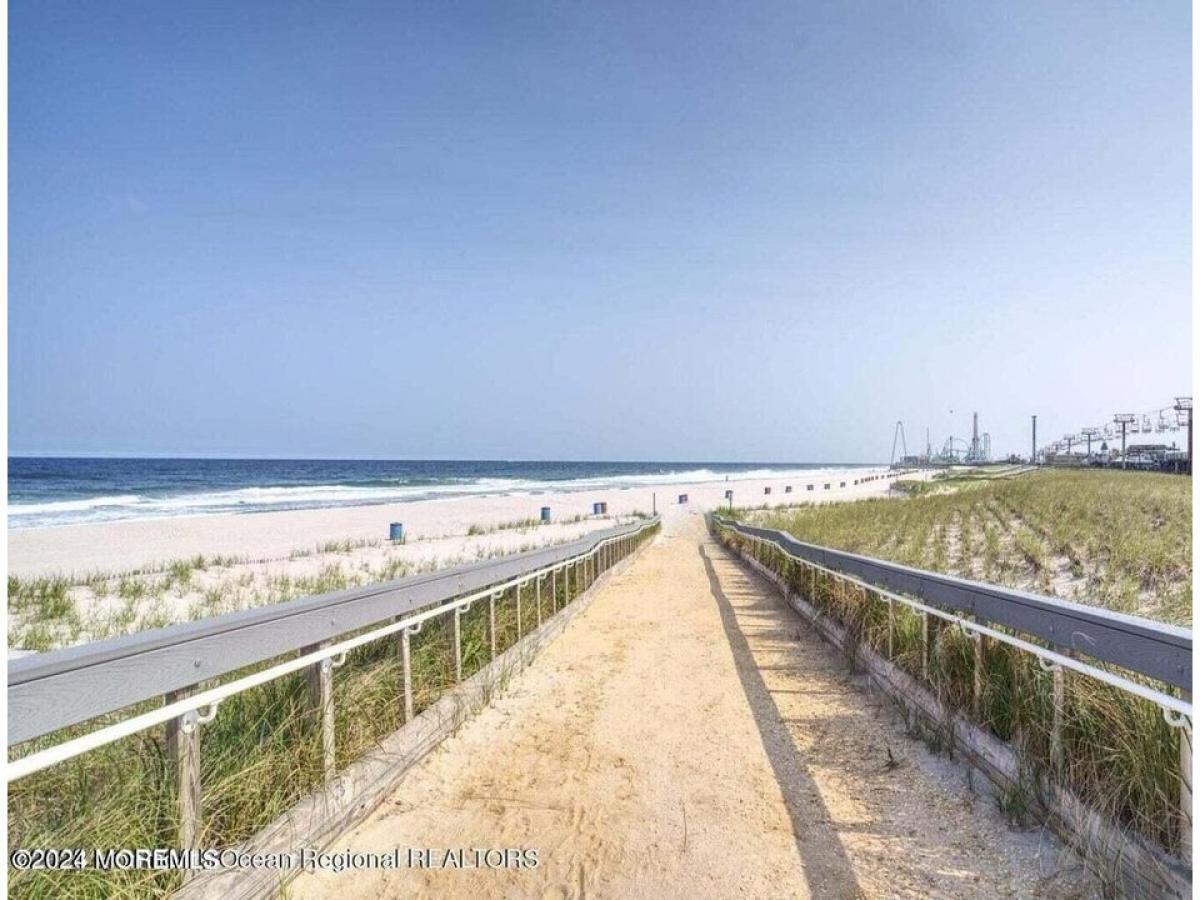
{"type": "Point", "coordinates": [148, 543]}
{"type": "Point", "coordinates": [88, 582]}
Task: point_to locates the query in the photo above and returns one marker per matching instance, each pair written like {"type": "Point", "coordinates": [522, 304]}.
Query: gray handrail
{"type": "Point", "coordinates": [1153, 649]}
{"type": "Point", "coordinates": [49, 691]}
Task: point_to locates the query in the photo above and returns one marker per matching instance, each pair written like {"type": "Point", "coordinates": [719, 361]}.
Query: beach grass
{"type": "Point", "coordinates": [259, 756]}
{"type": "Point", "coordinates": [1118, 540]}
{"type": "Point", "coordinates": [476, 529]}
{"type": "Point", "coordinates": [1121, 540]}
{"type": "Point", "coordinates": [50, 612]}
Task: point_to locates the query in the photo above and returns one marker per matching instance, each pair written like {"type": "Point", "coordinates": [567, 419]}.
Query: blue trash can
{"type": "Point", "coordinates": [545, 514]}
{"type": "Point", "coordinates": [396, 531]}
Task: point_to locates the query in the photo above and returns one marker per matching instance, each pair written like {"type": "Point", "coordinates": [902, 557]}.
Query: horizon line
{"type": "Point", "coordinates": [269, 458]}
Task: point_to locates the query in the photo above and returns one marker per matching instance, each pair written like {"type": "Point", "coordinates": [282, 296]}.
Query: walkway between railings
{"type": "Point", "coordinates": [689, 735]}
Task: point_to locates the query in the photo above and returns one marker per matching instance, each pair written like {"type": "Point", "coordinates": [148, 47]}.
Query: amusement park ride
{"type": "Point", "coordinates": [1104, 445]}
{"type": "Point", "coordinates": [955, 452]}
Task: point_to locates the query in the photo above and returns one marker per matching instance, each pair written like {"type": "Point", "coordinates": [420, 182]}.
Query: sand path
{"type": "Point", "coordinates": [689, 736]}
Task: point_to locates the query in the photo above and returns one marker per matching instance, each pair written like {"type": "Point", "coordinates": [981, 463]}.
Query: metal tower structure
{"type": "Point", "coordinates": [1183, 408]}
{"type": "Point", "coordinates": [980, 448]}
{"type": "Point", "coordinates": [1090, 433]}
{"type": "Point", "coordinates": [1124, 420]}
{"type": "Point", "coordinates": [898, 435]}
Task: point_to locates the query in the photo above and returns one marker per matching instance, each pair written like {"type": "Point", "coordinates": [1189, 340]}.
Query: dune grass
{"type": "Point", "coordinates": [1121, 540]}
{"type": "Point", "coordinates": [259, 756]}
{"type": "Point", "coordinates": [476, 529]}
{"type": "Point", "coordinates": [50, 612]}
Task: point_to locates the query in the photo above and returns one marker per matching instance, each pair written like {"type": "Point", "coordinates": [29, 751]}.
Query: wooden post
{"type": "Point", "coordinates": [492, 622]}
{"type": "Point", "coordinates": [554, 591]}
{"type": "Point", "coordinates": [457, 643]}
{"type": "Point", "coordinates": [537, 598]}
{"type": "Point", "coordinates": [1185, 783]}
{"type": "Point", "coordinates": [518, 590]}
{"type": "Point", "coordinates": [980, 651]}
{"type": "Point", "coordinates": [406, 664]}
{"type": "Point", "coordinates": [320, 698]}
{"type": "Point", "coordinates": [925, 646]}
{"type": "Point", "coordinates": [892, 630]}
{"type": "Point", "coordinates": [1056, 728]}
{"type": "Point", "coordinates": [183, 753]}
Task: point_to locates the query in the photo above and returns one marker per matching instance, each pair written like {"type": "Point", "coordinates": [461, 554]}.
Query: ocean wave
{"type": "Point", "coordinates": [266, 498]}
{"type": "Point", "coordinates": [70, 506]}
{"type": "Point", "coordinates": [252, 499]}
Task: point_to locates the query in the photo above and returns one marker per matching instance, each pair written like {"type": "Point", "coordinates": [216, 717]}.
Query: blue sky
{"type": "Point", "coordinates": [607, 230]}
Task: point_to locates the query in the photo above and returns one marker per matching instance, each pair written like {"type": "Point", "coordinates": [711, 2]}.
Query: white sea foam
{"type": "Point", "coordinates": [263, 499]}
{"type": "Point", "coordinates": [71, 506]}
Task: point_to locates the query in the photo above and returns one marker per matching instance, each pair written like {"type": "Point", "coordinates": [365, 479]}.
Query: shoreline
{"type": "Point", "coordinates": [47, 494]}
{"type": "Point", "coordinates": [125, 545]}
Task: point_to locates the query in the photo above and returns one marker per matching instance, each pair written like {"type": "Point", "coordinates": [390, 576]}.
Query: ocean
{"type": "Point", "coordinates": [62, 491]}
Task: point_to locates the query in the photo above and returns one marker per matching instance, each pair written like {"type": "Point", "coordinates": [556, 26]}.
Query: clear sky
{"type": "Point", "coordinates": [694, 231]}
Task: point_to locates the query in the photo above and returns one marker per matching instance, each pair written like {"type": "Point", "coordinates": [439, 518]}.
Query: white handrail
{"type": "Point", "coordinates": [35, 762]}
{"type": "Point", "coordinates": [1166, 702]}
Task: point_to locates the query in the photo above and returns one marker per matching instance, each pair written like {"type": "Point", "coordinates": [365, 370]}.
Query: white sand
{"type": "Point", "coordinates": [124, 546]}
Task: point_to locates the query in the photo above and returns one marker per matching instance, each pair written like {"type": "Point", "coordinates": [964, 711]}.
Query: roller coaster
{"type": "Point", "coordinates": [955, 452]}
